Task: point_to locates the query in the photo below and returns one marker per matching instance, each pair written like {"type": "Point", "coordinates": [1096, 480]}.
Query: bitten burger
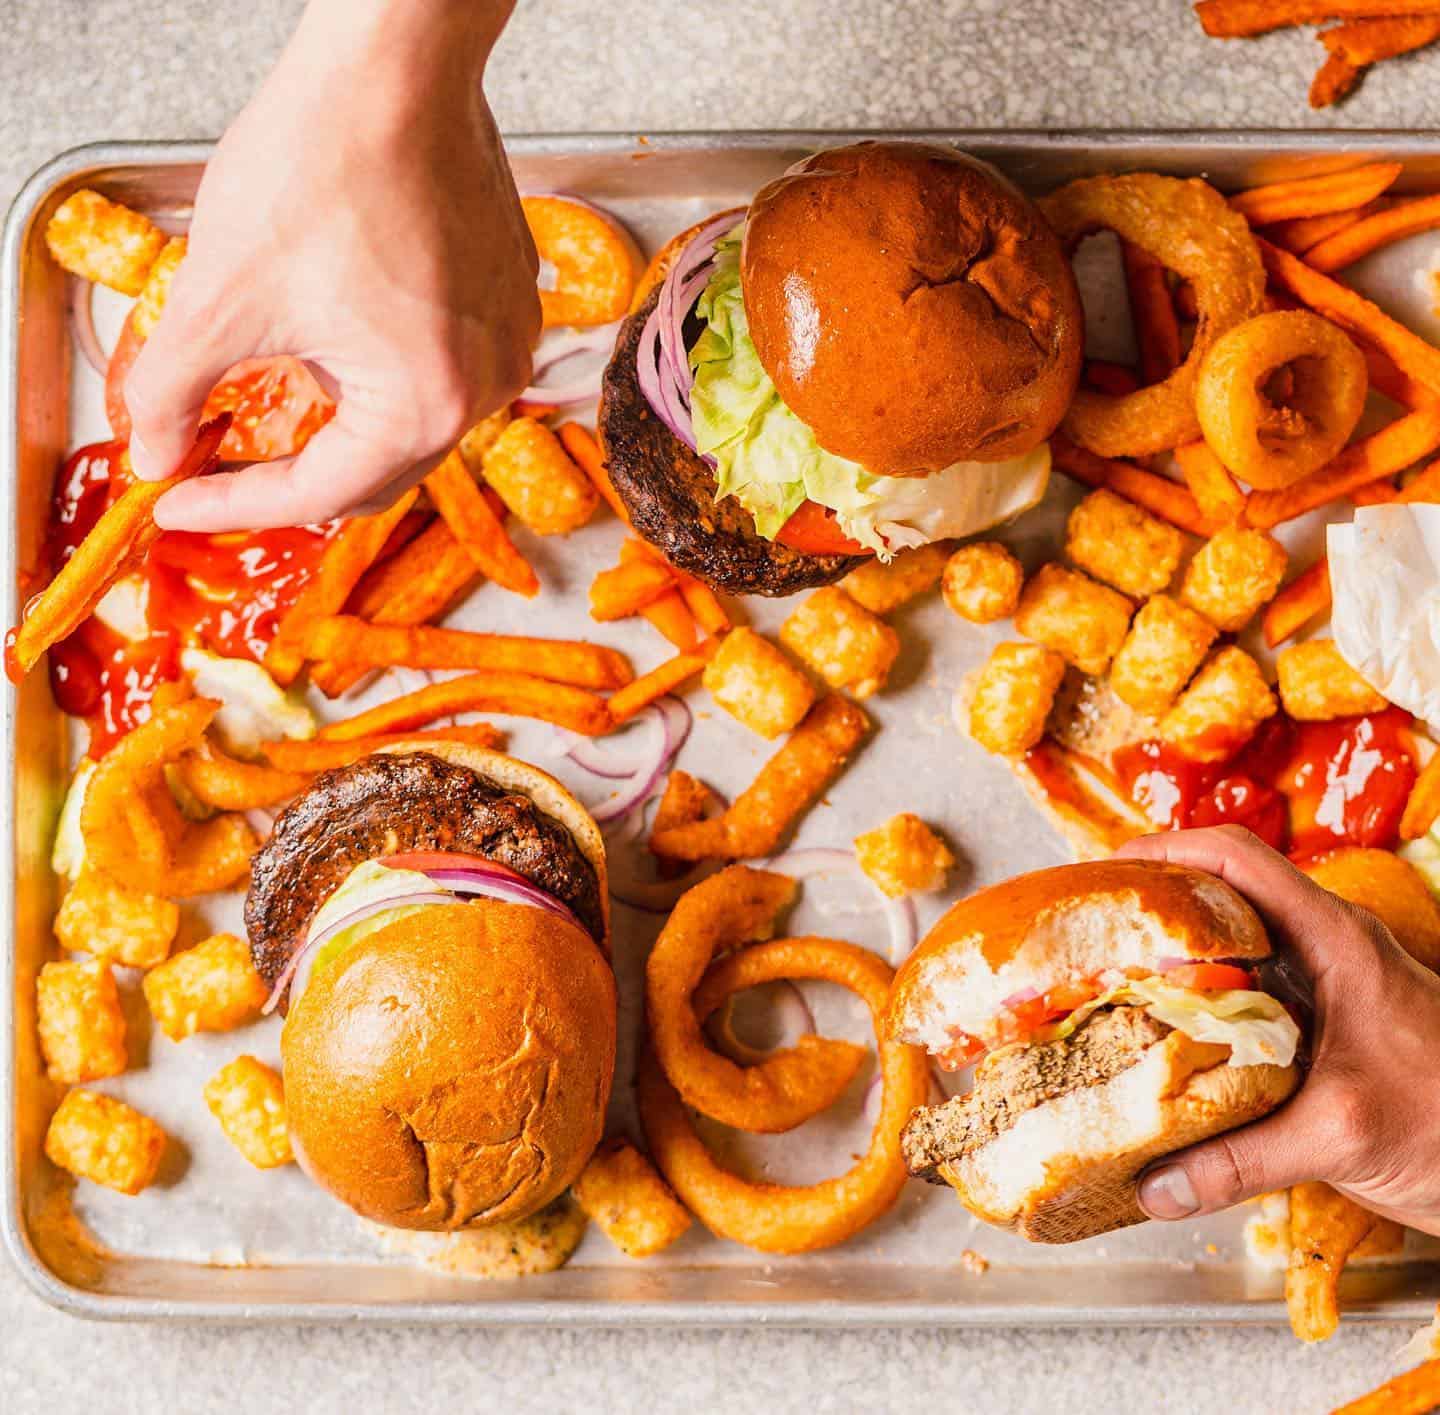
{"type": "Point", "coordinates": [1114, 1014]}
{"type": "Point", "coordinates": [870, 358]}
{"type": "Point", "coordinates": [436, 924]}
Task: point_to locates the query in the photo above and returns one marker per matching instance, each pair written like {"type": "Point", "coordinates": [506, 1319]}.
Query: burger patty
{"type": "Point", "coordinates": [669, 493]}
{"type": "Point", "coordinates": [1107, 1043]}
{"type": "Point", "coordinates": [391, 804]}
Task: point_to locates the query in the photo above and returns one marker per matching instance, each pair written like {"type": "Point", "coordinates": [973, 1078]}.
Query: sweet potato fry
{"type": "Point", "coordinates": [627, 589]}
{"type": "Point", "coordinates": [1375, 493]}
{"type": "Point", "coordinates": [1325, 1228]}
{"type": "Point", "coordinates": [1305, 597]}
{"type": "Point", "coordinates": [342, 638]}
{"type": "Point", "coordinates": [517, 694]}
{"type": "Point", "coordinates": [699, 598]}
{"type": "Point", "coordinates": [658, 681]}
{"type": "Point", "coordinates": [1354, 313]}
{"type": "Point", "coordinates": [671, 616]}
{"type": "Point", "coordinates": [1315, 196]}
{"type": "Point", "coordinates": [349, 555]}
{"type": "Point", "coordinates": [1335, 79]}
{"type": "Point", "coordinates": [1398, 387]}
{"type": "Point", "coordinates": [786, 785]}
{"type": "Point", "coordinates": [229, 785]}
{"type": "Point", "coordinates": [1210, 482]}
{"type": "Point", "coordinates": [1152, 311]}
{"type": "Point", "coordinates": [118, 544]}
{"type": "Point", "coordinates": [1242, 19]}
{"type": "Point", "coordinates": [1365, 42]}
{"type": "Point", "coordinates": [1299, 235]}
{"type": "Point", "coordinates": [580, 443]}
{"type": "Point", "coordinates": [315, 756]}
{"type": "Point", "coordinates": [1417, 1392]}
{"type": "Point", "coordinates": [1423, 808]}
{"type": "Point", "coordinates": [470, 516]}
{"type": "Point", "coordinates": [1105, 377]}
{"type": "Point", "coordinates": [1158, 495]}
{"type": "Point", "coordinates": [1383, 454]}
{"type": "Point", "coordinates": [1354, 242]}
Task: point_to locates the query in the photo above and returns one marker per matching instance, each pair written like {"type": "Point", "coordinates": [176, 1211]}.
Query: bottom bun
{"type": "Point", "coordinates": [1067, 1169]}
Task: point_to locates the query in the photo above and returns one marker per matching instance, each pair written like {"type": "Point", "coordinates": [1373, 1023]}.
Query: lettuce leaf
{"type": "Point", "coordinates": [1424, 854]}
{"type": "Point", "coordinates": [67, 855]}
{"type": "Point", "coordinates": [769, 461]}
{"type": "Point", "coordinates": [254, 707]}
{"type": "Point", "coordinates": [368, 883]}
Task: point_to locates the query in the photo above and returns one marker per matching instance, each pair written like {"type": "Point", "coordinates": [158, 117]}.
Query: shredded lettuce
{"type": "Point", "coordinates": [368, 883]}
{"type": "Point", "coordinates": [1424, 854]}
{"type": "Point", "coordinates": [67, 855]}
{"type": "Point", "coordinates": [1255, 1026]}
{"type": "Point", "coordinates": [769, 461]}
{"type": "Point", "coordinates": [255, 708]}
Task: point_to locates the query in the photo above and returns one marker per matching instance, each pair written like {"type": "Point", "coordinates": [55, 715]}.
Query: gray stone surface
{"type": "Point", "coordinates": [75, 71]}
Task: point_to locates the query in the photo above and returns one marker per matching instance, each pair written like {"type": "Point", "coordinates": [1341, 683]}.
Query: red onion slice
{"type": "Point", "coordinates": [583, 389]}
{"type": "Point", "coordinates": [899, 914]}
{"type": "Point", "coordinates": [82, 320]}
{"type": "Point", "coordinates": [507, 887]}
{"type": "Point", "coordinates": [795, 1018]}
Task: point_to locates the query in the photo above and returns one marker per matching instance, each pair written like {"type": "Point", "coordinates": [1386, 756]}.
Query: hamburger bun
{"type": "Point", "coordinates": [1062, 925]}
{"type": "Point", "coordinates": [912, 307]}
{"type": "Point", "coordinates": [452, 1069]}
{"type": "Point", "coordinates": [1067, 1169]}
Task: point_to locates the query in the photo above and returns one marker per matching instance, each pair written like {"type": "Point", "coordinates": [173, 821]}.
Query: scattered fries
{"type": "Point", "coordinates": [585, 451]}
{"type": "Point", "coordinates": [655, 684]}
{"type": "Point", "coordinates": [121, 539]}
{"type": "Point", "coordinates": [1356, 241]}
{"type": "Point", "coordinates": [1214, 489]}
{"type": "Point", "coordinates": [1306, 597]}
{"type": "Point", "coordinates": [1417, 1392]}
{"type": "Point", "coordinates": [1243, 19]}
{"type": "Point", "coordinates": [1353, 48]}
{"type": "Point", "coordinates": [349, 555]}
{"type": "Point", "coordinates": [516, 694]}
{"type": "Point", "coordinates": [627, 589]}
{"type": "Point", "coordinates": [346, 640]}
{"type": "Point", "coordinates": [477, 528]}
{"type": "Point", "coordinates": [1156, 494]}
{"type": "Point", "coordinates": [759, 817]}
{"type": "Point", "coordinates": [1152, 310]}
{"type": "Point", "coordinates": [1423, 808]}
{"type": "Point", "coordinates": [1316, 196]}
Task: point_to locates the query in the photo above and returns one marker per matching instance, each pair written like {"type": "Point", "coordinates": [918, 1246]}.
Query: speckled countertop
{"type": "Point", "coordinates": [74, 71]}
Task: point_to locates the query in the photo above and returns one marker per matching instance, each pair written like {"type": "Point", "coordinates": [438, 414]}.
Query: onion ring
{"type": "Point", "coordinates": [788, 1087]}
{"type": "Point", "coordinates": [779, 1218]}
{"type": "Point", "coordinates": [1190, 228]}
{"type": "Point", "coordinates": [1268, 446]}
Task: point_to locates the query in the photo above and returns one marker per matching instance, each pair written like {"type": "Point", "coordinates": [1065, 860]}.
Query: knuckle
{"type": "Point", "coordinates": [1231, 1171]}
{"type": "Point", "coordinates": [1346, 1125]}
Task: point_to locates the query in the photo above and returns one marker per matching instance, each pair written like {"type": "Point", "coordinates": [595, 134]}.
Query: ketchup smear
{"type": "Point", "coordinates": [227, 592]}
{"type": "Point", "coordinates": [1304, 787]}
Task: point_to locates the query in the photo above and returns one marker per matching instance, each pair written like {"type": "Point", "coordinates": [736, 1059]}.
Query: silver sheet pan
{"type": "Point", "coordinates": [176, 1256]}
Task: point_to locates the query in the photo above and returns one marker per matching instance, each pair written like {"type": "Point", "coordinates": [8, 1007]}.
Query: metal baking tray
{"type": "Point", "coordinates": [196, 1249]}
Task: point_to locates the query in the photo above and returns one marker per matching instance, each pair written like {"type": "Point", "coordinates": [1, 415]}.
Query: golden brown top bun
{"type": "Point", "coordinates": [453, 1069]}
{"type": "Point", "coordinates": [912, 306]}
{"type": "Point", "coordinates": [1065, 924]}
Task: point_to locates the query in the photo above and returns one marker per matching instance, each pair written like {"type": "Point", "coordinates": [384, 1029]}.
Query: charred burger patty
{"type": "Point", "coordinates": [392, 804]}
{"type": "Point", "coordinates": [669, 492]}
{"type": "Point", "coordinates": [1018, 1080]}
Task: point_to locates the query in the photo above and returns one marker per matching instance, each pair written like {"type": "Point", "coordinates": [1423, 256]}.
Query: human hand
{"type": "Point", "coordinates": [1367, 1118]}
{"type": "Point", "coordinates": [360, 214]}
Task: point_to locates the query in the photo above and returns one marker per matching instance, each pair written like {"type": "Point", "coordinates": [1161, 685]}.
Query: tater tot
{"type": "Point", "coordinates": [982, 582]}
{"type": "Point", "coordinates": [757, 684]}
{"type": "Point", "coordinates": [1166, 644]}
{"type": "Point", "coordinates": [625, 1195]}
{"type": "Point", "coordinates": [1316, 684]}
{"type": "Point", "coordinates": [248, 1099]}
{"type": "Point", "coordinates": [1083, 621]}
{"type": "Point", "coordinates": [1234, 574]}
{"type": "Point", "coordinates": [103, 1140]}
{"type": "Point", "coordinates": [1117, 542]}
{"type": "Point", "coordinates": [534, 476]}
{"type": "Point", "coordinates": [1219, 712]}
{"type": "Point", "coordinates": [482, 437]}
{"type": "Point", "coordinates": [881, 588]}
{"type": "Point", "coordinates": [1014, 693]}
{"type": "Point", "coordinates": [212, 987]}
{"type": "Point", "coordinates": [102, 241]}
{"type": "Point", "coordinates": [151, 304]}
{"type": "Point", "coordinates": [82, 1029]}
{"type": "Point", "coordinates": [846, 645]}
{"type": "Point", "coordinates": [903, 856]}
{"type": "Point", "coordinates": [101, 917]}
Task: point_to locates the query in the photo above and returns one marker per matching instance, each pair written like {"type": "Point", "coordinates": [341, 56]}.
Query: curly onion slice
{"type": "Point", "coordinates": [779, 1218]}
{"type": "Point", "coordinates": [791, 1085]}
{"type": "Point", "coordinates": [1190, 228]}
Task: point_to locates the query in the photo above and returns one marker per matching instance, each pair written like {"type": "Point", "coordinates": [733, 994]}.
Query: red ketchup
{"type": "Point", "coordinates": [1304, 787]}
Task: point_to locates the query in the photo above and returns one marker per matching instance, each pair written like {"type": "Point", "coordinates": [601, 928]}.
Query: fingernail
{"type": "Point", "coordinates": [143, 460]}
{"type": "Point", "coordinates": [1167, 1193]}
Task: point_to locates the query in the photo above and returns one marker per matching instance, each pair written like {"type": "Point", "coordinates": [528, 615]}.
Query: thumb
{"type": "Point", "coordinates": [183, 359]}
{"type": "Point", "coordinates": [1283, 1149]}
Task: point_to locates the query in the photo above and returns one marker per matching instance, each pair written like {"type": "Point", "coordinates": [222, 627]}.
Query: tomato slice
{"type": "Point", "coordinates": [122, 357]}
{"type": "Point", "coordinates": [278, 406]}
{"type": "Point", "coordinates": [425, 860]}
{"type": "Point", "coordinates": [813, 530]}
{"type": "Point", "coordinates": [1210, 977]}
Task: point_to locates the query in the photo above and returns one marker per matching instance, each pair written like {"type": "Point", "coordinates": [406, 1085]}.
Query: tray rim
{"type": "Point", "coordinates": [69, 165]}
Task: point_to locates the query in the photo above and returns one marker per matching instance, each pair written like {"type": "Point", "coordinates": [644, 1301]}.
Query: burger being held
{"type": "Point", "coordinates": [868, 359]}
{"type": "Point", "coordinates": [1115, 1014]}
{"type": "Point", "coordinates": [436, 923]}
